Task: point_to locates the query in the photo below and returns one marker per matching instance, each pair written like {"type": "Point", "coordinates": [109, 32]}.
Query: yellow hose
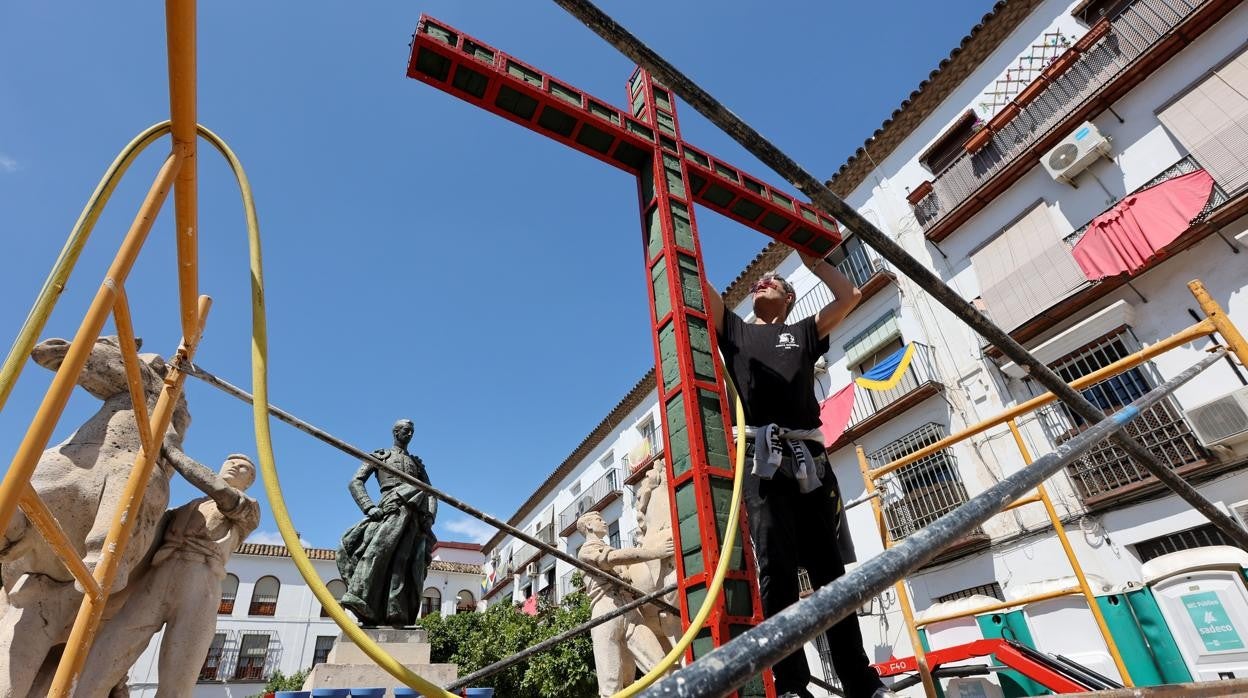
{"type": "Point", "coordinates": [51, 292]}
{"type": "Point", "coordinates": [273, 488]}
{"type": "Point", "coordinates": [64, 265]}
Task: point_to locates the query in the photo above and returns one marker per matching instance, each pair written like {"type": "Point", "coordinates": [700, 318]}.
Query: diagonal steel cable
{"type": "Point", "coordinates": [822, 197]}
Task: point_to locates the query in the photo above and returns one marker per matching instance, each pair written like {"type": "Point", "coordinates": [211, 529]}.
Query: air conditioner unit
{"type": "Point", "coordinates": [584, 505]}
{"type": "Point", "coordinates": [1075, 153]}
{"type": "Point", "coordinates": [530, 570]}
{"type": "Point", "coordinates": [1240, 510]}
{"type": "Point", "coordinates": [1222, 422]}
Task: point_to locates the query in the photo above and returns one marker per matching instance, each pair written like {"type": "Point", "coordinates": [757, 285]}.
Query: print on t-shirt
{"type": "Point", "coordinates": [786, 341]}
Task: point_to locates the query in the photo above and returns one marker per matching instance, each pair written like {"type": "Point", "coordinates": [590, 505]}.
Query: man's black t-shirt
{"type": "Point", "coordinates": [773, 366]}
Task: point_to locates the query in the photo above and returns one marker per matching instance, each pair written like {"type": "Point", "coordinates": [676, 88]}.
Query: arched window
{"type": "Point", "coordinates": [465, 602]}
{"type": "Point", "coordinates": [229, 590]}
{"type": "Point", "coordinates": [336, 589]}
{"type": "Point", "coordinates": [430, 602]}
{"type": "Point", "coordinates": [264, 597]}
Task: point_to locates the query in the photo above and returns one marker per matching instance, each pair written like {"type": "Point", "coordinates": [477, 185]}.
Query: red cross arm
{"type": "Point", "coordinates": [479, 74]}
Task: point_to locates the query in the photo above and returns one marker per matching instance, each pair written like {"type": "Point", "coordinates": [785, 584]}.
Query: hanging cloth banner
{"type": "Point", "coordinates": [886, 374]}
{"type": "Point", "coordinates": [1127, 237]}
{"type": "Point", "coordinates": [834, 414]}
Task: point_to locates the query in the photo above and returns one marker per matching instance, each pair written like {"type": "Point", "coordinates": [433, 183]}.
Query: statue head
{"type": "Point", "coordinates": [238, 471]}
{"type": "Point", "coordinates": [591, 522]}
{"type": "Point", "coordinates": [403, 432]}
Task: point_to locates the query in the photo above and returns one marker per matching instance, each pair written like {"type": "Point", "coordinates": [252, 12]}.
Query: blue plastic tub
{"type": "Point", "coordinates": [479, 692]}
{"type": "Point", "coordinates": [292, 694]}
{"type": "Point", "coordinates": [331, 692]}
{"type": "Point", "coordinates": [403, 691]}
{"type": "Point", "coordinates": [368, 693]}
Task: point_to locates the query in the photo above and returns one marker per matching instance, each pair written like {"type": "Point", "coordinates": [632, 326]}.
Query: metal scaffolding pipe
{"type": "Point", "coordinates": [326, 437]}
{"type": "Point", "coordinates": [730, 666]}
{"type": "Point", "coordinates": [822, 197]}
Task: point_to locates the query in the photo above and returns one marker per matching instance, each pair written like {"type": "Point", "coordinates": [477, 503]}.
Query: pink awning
{"type": "Point", "coordinates": [1126, 237]}
{"type": "Point", "coordinates": [834, 413]}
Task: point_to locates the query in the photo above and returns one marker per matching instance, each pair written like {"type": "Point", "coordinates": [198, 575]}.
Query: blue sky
{"type": "Point", "coordinates": [424, 259]}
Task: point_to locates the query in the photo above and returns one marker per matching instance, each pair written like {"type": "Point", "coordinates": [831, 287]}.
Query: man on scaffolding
{"type": "Point", "coordinates": [791, 494]}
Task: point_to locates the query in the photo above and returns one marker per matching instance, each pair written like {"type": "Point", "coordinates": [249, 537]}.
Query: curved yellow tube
{"type": "Point", "coordinates": [64, 265]}
{"type": "Point", "coordinates": [50, 294]}
{"type": "Point", "coordinates": [272, 486]}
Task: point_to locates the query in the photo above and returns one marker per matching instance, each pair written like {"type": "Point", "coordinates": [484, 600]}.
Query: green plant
{"type": "Point", "coordinates": [281, 682]}
{"type": "Point", "coordinates": [476, 640]}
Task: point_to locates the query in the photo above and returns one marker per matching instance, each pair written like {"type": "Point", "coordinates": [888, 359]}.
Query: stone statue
{"type": "Point", "coordinates": [81, 480]}
{"type": "Point", "coordinates": [383, 559]}
{"type": "Point", "coordinates": [654, 523]}
{"type": "Point", "coordinates": [626, 643]}
{"type": "Point", "coordinates": [178, 588]}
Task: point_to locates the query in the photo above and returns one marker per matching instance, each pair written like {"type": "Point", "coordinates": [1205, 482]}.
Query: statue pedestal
{"type": "Point", "coordinates": [348, 666]}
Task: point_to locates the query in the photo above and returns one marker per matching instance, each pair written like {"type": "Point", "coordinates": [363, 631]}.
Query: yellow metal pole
{"type": "Point", "coordinates": [134, 378]}
{"type": "Point", "coordinates": [1200, 329]}
{"type": "Point", "coordinates": [1074, 562]}
{"type": "Point", "coordinates": [1220, 320]}
{"type": "Point", "coordinates": [903, 597]}
{"type": "Point", "coordinates": [91, 610]}
{"type": "Point", "coordinates": [44, 422]}
{"type": "Point", "coordinates": [181, 38]}
{"type": "Point", "coordinates": [52, 532]}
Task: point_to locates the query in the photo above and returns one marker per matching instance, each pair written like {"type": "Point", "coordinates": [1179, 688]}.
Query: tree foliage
{"type": "Point", "coordinates": [476, 640]}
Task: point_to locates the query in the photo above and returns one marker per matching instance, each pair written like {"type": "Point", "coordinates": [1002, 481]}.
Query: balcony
{"type": "Point", "coordinates": [1187, 165]}
{"type": "Point", "coordinates": [875, 407]}
{"type": "Point", "coordinates": [862, 265]}
{"type": "Point", "coordinates": [1136, 43]}
{"type": "Point", "coordinates": [596, 497]}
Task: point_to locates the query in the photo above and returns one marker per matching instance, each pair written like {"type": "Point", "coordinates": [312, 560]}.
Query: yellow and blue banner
{"type": "Point", "coordinates": [886, 374]}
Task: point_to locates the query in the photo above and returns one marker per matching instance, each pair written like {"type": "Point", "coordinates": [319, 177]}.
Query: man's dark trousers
{"type": "Point", "coordinates": [790, 530]}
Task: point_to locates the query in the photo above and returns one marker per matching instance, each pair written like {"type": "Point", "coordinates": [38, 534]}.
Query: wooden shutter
{"type": "Point", "coordinates": [1211, 121]}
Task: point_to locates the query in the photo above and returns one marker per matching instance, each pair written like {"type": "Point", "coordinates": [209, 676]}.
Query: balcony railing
{"type": "Point", "coordinates": [920, 375]}
{"type": "Point", "coordinates": [856, 260]}
{"type": "Point", "coordinates": [1132, 32]}
{"type": "Point", "coordinates": [594, 498]}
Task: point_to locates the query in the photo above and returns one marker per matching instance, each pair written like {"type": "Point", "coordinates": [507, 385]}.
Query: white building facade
{"type": "Point", "coordinates": [971, 177]}
{"type": "Point", "coordinates": [269, 621]}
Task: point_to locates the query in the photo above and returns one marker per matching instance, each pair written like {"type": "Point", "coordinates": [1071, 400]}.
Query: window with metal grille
{"type": "Point", "coordinates": [264, 597]}
{"type": "Point", "coordinates": [613, 534]}
{"type": "Point", "coordinates": [320, 654]}
{"type": "Point", "coordinates": [923, 491]}
{"type": "Point", "coordinates": [1106, 470]}
{"type": "Point", "coordinates": [229, 591]}
{"type": "Point", "coordinates": [253, 654]}
{"type": "Point", "coordinates": [1197, 537]}
{"type": "Point", "coordinates": [212, 662]}
{"type": "Point", "coordinates": [993, 589]}
{"type": "Point", "coordinates": [336, 589]}
{"type": "Point", "coordinates": [465, 602]}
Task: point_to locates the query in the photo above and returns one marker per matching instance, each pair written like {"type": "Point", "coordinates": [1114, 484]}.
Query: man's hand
{"type": "Point", "coordinates": [374, 513]}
